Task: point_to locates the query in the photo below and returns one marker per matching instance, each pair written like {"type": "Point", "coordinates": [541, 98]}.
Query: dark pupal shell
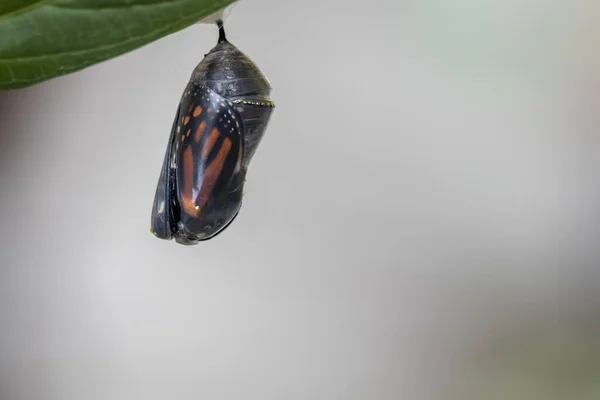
{"type": "Point", "coordinates": [220, 121]}
{"type": "Point", "coordinates": [230, 73]}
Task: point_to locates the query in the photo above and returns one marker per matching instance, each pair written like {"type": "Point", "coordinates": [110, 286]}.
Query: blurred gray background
{"type": "Point", "coordinates": [420, 220]}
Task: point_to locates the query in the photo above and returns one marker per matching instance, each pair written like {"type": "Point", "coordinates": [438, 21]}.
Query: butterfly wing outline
{"type": "Point", "coordinates": [201, 184]}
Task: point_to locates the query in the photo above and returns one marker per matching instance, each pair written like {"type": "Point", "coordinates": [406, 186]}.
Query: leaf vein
{"type": "Point", "coordinates": [22, 10]}
{"type": "Point", "coordinates": [87, 51]}
{"type": "Point", "coordinates": [115, 6]}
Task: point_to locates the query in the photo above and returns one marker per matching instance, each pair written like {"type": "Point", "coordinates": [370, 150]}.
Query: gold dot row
{"type": "Point", "coordinates": [255, 103]}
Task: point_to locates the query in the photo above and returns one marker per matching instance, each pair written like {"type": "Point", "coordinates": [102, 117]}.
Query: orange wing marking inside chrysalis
{"type": "Point", "coordinates": [188, 184]}
{"type": "Point", "coordinates": [200, 131]}
{"type": "Point", "coordinates": [197, 111]}
{"type": "Point", "coordinates": [212, 173]}
{"type": "Point", "coordinates": [210, 143]}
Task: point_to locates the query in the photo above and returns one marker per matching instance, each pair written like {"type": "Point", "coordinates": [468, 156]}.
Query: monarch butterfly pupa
{"type": "Point", "coordinates": [220, 121]}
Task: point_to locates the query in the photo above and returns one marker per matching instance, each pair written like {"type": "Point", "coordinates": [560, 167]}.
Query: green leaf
{"type": "Point", "coordinates": [42, 39]}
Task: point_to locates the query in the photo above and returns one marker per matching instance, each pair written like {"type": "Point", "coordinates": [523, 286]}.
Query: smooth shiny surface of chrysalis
{"type": "Point", "coordinates": [220, 121]}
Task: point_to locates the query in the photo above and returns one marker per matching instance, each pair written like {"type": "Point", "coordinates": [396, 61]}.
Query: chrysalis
{"type": "Point", "coordinates": [221, 119]}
